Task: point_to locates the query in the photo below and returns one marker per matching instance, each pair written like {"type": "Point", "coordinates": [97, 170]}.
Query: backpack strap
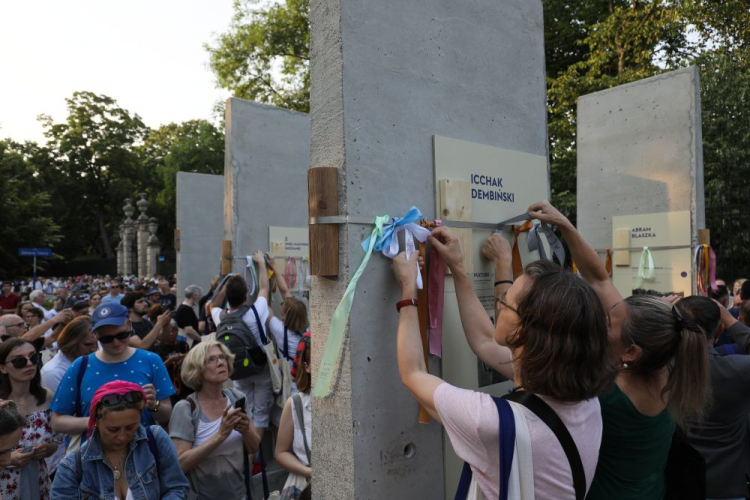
{"type": "Point", "coordinates": [263, 472]}
{"type": "Point", "coordinates": [79, 467]}
{"type": "Point", "coordinates": [298, 408]}
{"type": "Point", "coordinates": [153, 447]}
{"type": "Point", "coordinates": [507, 434]}
{"type": "Point", "coordinates": [79, 380]}
{"type": "Point", "coordinates": [260, 326]}
{"type": "Point", "coordinates": [286, 343]}
{"type": "Point", "coordinates": [549, 417]}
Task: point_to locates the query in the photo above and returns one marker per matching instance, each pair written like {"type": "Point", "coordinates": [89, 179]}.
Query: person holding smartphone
{"type": "Point", "coordinates": [211, 430]}
{"type": "Point", "coordinates": [20, 381]}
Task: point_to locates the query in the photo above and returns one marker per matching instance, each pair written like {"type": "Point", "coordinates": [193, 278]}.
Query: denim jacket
{"type": "Point", "coordinates": [145, 483]}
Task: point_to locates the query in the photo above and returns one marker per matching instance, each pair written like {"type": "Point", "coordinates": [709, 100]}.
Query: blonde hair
{"type": "Point", "coordinates": [195, 363]}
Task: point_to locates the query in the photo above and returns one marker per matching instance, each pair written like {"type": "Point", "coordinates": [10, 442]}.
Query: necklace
{"type": "Point", "coordinates": [116, 470]}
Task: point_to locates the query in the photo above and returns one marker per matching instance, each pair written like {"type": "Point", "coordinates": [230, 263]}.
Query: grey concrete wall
{"type": "Point", "coordinates": [200, 203]}
{"type": "Point", "coordinates": [265, 173]}
{"type": "Point", "coordinates": [640, 151]}
{"type": "Point", "coordinates": [386, 76]}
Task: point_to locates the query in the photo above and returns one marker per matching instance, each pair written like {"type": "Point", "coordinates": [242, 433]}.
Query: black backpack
{"type": "Point", "coordinates": [249, 357]}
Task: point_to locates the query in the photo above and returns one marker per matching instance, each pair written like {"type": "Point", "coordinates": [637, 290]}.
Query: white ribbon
{"type": "Point", "coordinates": [411, 231]}
{"type": "Point", "coordinates": [553, 241]}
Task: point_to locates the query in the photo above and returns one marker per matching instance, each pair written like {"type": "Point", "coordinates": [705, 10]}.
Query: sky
{"type": "Point", "coordinates": [147, 55]}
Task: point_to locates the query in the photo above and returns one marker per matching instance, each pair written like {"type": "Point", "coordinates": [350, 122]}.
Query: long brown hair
{"type": "Point", "coordinates": [562, 328]}
{"type": "Point", "coordinates": [35, 387]}
{"type": "Point", "coordinates": [304, 381]}
{"type": "Point", "coordinates": [665, 342]}
{"type": "Point", "coordinates": [295, 315]}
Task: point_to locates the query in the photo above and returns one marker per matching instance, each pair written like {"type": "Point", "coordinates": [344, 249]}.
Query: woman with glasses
{"type": "Point", "coordinates": [210, 429]}
{"type": "Point", "coordinates": [20, 381]}
{"type": "Point", "coordinates": [550, 337]}
{"type": "Point", "coordinates": [116, 360]}
{"type": "Point", "coordinates": [662, 381]}
{"type": "Point", "coordinates": [121, 456]}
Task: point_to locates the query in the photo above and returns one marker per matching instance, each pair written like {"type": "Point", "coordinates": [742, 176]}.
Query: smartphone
{"type": "Point", "coordinates": [240, 404]}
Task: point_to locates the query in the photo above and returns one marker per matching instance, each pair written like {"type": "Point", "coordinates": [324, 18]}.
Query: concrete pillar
{"type": "Point", "coordinates": [386, 76]}
{"type": "Point", "coordinates": [201, 228]}
{"type": "Point", "coordinates": [128, 235]}
{"type": "Point", "coordinates": [267, 155]}
{"type": "Point", "coordinates": [143, 235]}
{"type": "Point", "coordinates": [640, 151]}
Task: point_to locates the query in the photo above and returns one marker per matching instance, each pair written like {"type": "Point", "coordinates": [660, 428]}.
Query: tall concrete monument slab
{"type": "Point", "coordinates": [640, 151]}
{"type": "Point", "coordinates": [200, 203]}
{"type": "Point", "coordinates": [267, 154]}
{"type": "Point", "coordinates": [386, 78]}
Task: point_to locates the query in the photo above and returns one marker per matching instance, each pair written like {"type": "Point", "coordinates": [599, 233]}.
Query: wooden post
{"type": "Point", "coordinates": [226, 257]}
{"type": "Point", "coordinates": [322, 192]}
{"type": "Point", "coordinates": [177, 239]}
{"type": "Point", "coordinates": [704, 236]}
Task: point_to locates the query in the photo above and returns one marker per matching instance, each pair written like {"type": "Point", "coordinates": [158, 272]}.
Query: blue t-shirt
{"type": "Point", "coordinates": [109, 298]}
{"type": "Point", "coordinates": [141, 368]}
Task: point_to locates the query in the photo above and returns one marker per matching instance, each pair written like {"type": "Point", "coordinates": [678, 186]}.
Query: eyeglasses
{"type": "Point", "coordinates": [21, 324]}
{"type": "Point", "coordinates": [212, 360]}
{"type": "Point", "coordinates": [502, 302]}
{"type": "Point", "coordinates": [119, 336]}
{"type": "Point", "coordinates": [22, 362]}
{"type": "Point", "coordinates": [115, 399]}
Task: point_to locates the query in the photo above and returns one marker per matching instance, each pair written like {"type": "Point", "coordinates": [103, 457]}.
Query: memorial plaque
{"type": "Point", "coordinates": [286, 243]}
{"type": "Point", "coordinates": [667, 236]}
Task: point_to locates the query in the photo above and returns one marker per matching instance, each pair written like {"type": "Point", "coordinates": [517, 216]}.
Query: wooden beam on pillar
{"type": "Point", "coordinates": [322, 190]}
{"type": "Point", "coordinates": [704, 236]}
{"type": "Point", "coordinates": [226, 257]}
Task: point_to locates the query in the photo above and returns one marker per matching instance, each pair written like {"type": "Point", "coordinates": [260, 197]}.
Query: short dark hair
{"type": "Point", "coordinates": [130, 299]}
{"type": "Point", "coordinates": [719, 293]}
{"type": "Point", "coordinates": [36, 312]}
{"type": "Point", "coordinates": [236, 290]}
{"type": "Point", "coordinates": [702, 311]}
{"type": "Point", "coordinates": [745, 291]}
{"type": "Point", "coordinates": [10, 419]}
{"type": "Point", "coordinates": [562, 328]}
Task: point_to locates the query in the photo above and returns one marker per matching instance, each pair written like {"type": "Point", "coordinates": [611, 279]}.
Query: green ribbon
{"type": "Point", "coordinates": [332, 352]}
{"type": "Point", "coordinates": [645, 274]}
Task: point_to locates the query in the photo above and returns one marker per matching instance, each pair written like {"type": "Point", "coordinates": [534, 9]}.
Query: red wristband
{"type": "Point", "coordinates": [407, 302]}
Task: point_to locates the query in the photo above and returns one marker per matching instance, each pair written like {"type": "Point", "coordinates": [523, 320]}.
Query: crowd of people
{"type": "Point", "coordinates": [110, 386]}
{"type": "Point", "coordinates": [614, 398]}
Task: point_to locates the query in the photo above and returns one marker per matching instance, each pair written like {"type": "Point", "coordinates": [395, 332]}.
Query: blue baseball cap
{"type": "Point", "coordinates": [109, 314]}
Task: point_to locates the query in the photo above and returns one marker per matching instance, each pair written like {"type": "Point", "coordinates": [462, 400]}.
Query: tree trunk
{"type": "Point", "coordinates": [103, 233]}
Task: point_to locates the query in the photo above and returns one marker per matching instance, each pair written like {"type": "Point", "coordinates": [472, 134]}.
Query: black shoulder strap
{"type": "Point", "coordinates": [549, 417]}
{"type": "Point", "coordinates": [79, 380]}
{"type": "Point", "coordinates": [79, 469]}
{"type": "Point", "coordinates": [153, 447]}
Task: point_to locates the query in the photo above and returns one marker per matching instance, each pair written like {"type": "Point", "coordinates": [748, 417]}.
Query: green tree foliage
{"type": "Point", "coordinates": [194, 146]}
{"type": "Point", "coordinates": [94, 168]}
{"type": "Point", "coordinates": [26, 214]}
{"type": "Point", "coordinates": [631, 40]}
{"type": "Point", "coordinates": [259, 42]}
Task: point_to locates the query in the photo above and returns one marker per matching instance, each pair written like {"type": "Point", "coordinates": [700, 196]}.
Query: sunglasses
{"type": "Point", "coordinates": [22, 362]}
{"type": "Point", "coordinates": [120, 336]}
{"type": "Point", "coordinates": [115, 399]}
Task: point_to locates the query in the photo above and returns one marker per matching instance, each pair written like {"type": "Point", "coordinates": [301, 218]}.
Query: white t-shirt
{"type": "Point", "coordinates": [471, 421]}
{"type": "Point", "coordinates": [53, 371]}
{"type": "Point", "coordinates": [277, 328]}
{"type": "Point", "coordinates": [261, 305]}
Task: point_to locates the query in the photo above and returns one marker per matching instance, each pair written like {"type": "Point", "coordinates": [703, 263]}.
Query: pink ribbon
{"type": "Point", "coordinates": [435, 299]}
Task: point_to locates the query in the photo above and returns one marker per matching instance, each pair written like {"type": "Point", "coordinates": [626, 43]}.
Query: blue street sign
{"type": "Point", "coordinates": [35, 252]}
{"type": "Point", "coordinates": [162, 258]}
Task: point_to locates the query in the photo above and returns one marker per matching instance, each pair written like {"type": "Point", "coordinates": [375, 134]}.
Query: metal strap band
{"type": "Point", "coordinates": [341, 219]}
{"type": "Point", "coordinates": [640, 249]}
{"type": "Point", "coordinates": [354, 219]}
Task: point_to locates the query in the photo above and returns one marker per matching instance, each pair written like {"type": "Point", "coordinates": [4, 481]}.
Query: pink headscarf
{"type": "Point", "coordinates": [116, 387]}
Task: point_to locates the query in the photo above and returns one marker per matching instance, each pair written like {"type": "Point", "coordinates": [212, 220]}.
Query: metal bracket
{"type": "Point", "coordinates": [341, 219]}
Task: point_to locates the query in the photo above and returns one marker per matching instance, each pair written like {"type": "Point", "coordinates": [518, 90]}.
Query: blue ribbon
{"type": "Point", "coordinates": [413, 216]}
